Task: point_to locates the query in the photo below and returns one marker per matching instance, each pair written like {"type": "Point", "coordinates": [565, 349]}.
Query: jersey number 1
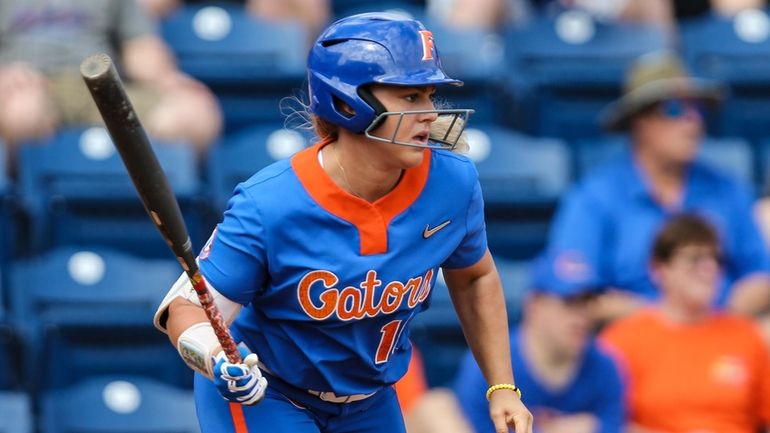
{"type": "Point", "coordinates": [389, 332]}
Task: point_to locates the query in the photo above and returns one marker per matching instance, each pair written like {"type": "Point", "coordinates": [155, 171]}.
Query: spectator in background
{"type": "Point", "coordinates": [649, 12]}
{"type": "Point", "coordinates": [567, 382]}
{"type": "Point", "coordinates": [691, 368]}
{"type": "Point", "coordinates": [487, 15]}
{"type": "Point", "coordinates": [607, 223]}
{"type": "Point", "coordinates": [43, 43]}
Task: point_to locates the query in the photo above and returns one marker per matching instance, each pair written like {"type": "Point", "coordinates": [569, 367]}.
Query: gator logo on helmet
{"type": "Point", "coordinates": [427, 44]}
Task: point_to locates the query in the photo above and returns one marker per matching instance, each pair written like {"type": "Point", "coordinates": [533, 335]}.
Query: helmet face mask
{"type": "Point", "coordinates": [446, 139]}
{"type": "Point", "coordinates": [372, 48]}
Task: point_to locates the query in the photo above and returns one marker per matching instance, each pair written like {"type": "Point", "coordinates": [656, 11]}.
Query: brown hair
{"type": "Point", "coordinates": [325, 130]}
{"type": "Point", "coordinates": [681, 231]}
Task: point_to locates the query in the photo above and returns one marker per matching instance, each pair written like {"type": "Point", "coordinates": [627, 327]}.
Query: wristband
{"type": "Point", "coordinates": [500, 386]}
{"type": "Point", "coordinates": [197, 345]}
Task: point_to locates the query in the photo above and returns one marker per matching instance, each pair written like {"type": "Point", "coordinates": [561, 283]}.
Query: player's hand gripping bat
{"type": "Point", "coordinates": [149, 180]}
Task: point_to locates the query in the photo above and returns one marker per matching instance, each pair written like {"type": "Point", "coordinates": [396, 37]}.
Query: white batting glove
{"type": "Point", "coordinates": [239, 383]}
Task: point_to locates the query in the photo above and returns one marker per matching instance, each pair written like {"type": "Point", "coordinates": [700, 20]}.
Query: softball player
{"type": "Point", "coordinates": [323, 260]}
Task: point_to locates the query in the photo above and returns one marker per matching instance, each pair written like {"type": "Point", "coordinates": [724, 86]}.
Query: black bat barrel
{"type": "Point", "coordinates": [130, 139]}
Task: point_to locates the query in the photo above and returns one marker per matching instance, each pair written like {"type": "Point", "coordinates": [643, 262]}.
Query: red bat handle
{"type": "Point", "coordinates": [215, 318]}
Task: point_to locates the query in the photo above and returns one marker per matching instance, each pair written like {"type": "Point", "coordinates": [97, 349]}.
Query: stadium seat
{"type": "Point", "coordinates": [77, 192]}
{"type": "Point", "coordinates": [735, 51]}
{"type": "Point", "coordinates": [241, 154]}
{"type": "Point", "coordinates": [564, 70]}
{"type": "Point", "coordinates": [250, 64]}
{"type": "Point", "coordinates": [731, 155]}
{"type": "Point", "coordinates": [437, 331]}
{"type": "Point", "coordinates": [15, 413]}
{"type": "Point", "coordinates": [86, 312]}
{"type": "Point", "coordinates": [522, 178]}
{"type": "Point", "coordinates": [118, 404]}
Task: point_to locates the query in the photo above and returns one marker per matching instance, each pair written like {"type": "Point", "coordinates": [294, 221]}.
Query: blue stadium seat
{"type": "Point", "coordinates": [564, 70]}
{"type": "Point", "coordinates": [15, 413]}
{"type": "Point", "coordinates": [437, 331]}
{"type": "Point", "coordinates": [77, 192]}
{"type": "Point", "coordinates": [522, 178]}
{"type": "Point", "coordinates": [222, 42]}
{"type": "Point", "coordinates": [250, 64]}
{"type": "Point", "coordinates": [735, 51]}
{"type": "Point", "coordinates": [731, 155]}
{"type": "Point", "coordinates": [119, 404]}
{"type": "Point", "coordinates": [517, 169]}
{"type": "Point", "coordinates": [86, 312]}
{"type": "Point", "coordinates": [241, 154]}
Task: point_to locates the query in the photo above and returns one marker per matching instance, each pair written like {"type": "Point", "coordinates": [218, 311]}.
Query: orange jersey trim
{"type": "Point", "coordinates": [239, 421]}
{"type": "Point", "coordinates": [370, 219]}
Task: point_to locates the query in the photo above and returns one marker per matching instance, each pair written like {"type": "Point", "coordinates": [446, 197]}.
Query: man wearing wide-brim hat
{"type": "Point", "coordinates": [654, 78]}
{"type": "Point", "coordinates": [607, 222]}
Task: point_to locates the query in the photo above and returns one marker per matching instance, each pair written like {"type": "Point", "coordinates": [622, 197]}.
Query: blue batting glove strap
{"type": "Point", "coordinates": [239, 383]}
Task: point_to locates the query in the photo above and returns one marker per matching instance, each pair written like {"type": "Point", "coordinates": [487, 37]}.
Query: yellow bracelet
{"type": "Point", "coordinates": [500, 386]}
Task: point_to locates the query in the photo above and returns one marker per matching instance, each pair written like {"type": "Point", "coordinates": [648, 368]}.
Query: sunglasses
{"type": "Point", "coordinates": [677, 108]}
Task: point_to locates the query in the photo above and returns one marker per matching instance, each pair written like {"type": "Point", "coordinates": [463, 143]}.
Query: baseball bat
{"type": "Point", "coordinates": [150, 181]}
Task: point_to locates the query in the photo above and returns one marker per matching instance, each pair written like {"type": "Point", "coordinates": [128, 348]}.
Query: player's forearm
{"type": "Point", "coordinates": [183, 314]}
{"type": "Point", "coordinates": [480, 304]}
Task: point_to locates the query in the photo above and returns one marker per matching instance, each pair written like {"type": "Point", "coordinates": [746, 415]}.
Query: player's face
{"type": "Point", "coordinates": [672, 129]}
{"type": "Point", "coordinates": [690, 278]}
{"type": "Point", "coordinates": [409, 128]}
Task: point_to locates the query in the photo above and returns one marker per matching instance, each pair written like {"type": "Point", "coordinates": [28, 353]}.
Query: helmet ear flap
{"type": "Point", "coordinates": [365, 93]}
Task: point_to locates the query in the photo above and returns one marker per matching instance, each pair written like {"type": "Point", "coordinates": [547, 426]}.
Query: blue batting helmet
{"type": "Point", "coordinates": [365, 49]}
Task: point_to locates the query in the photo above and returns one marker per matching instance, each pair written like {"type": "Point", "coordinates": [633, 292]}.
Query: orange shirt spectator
{"type": "Point", "coordinates": [716, 373]}
{"type": "Point", "coordinates": [691, 368]}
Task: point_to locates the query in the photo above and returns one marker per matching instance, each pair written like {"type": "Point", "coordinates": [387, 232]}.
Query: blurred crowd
{"type": "Point", "coordinates": [648, 309]}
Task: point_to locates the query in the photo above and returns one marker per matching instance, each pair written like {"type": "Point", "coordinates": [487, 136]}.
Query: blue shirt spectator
{"type": "Point", "coordinates": [607, 222]}
{"type": "Point", "coordinates": [566, 381]}
{"type": "Point", "coordinates": [617, 215]}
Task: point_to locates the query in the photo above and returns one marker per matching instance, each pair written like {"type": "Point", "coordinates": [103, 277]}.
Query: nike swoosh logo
{"type": "Point", "coordinates": [428, 232]}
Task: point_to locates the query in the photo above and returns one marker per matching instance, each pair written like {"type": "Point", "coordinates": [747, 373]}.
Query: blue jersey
{"type": "Point", "coordinates": [608, 223]}
{"type": "Point", "coordinates": [330, 281]}
{"type": "Point", "coordinates": [596, 389]}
